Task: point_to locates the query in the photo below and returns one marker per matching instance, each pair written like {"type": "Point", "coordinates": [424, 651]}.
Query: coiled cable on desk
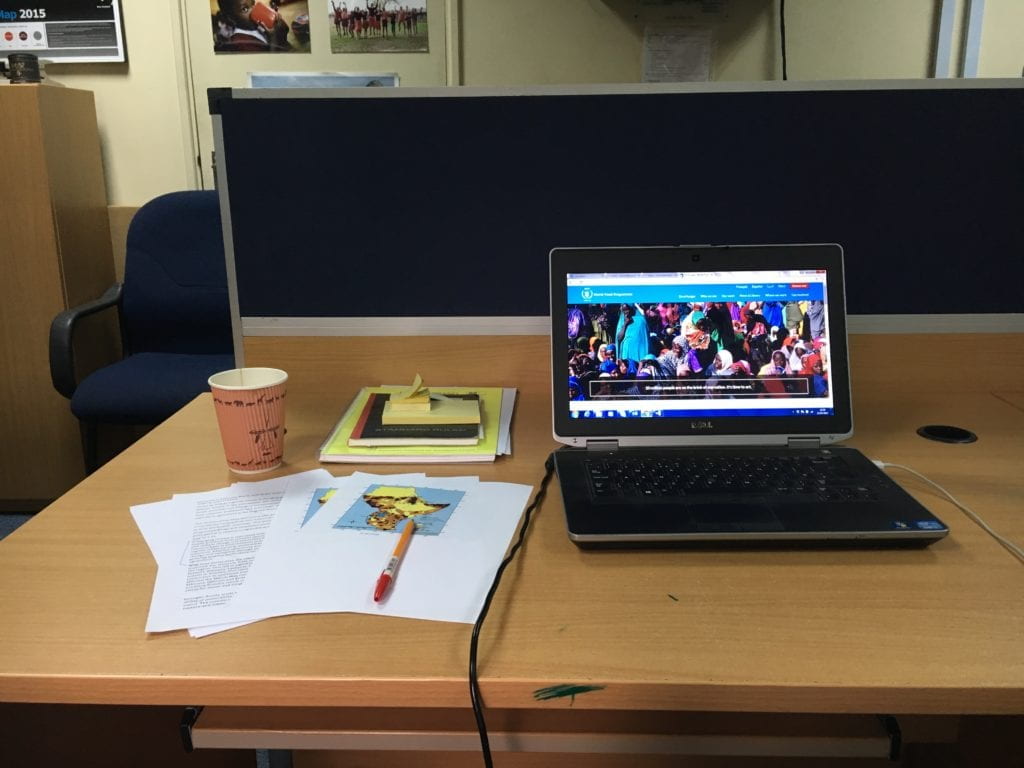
{"type": "Point", "coordinates": [474, 683]}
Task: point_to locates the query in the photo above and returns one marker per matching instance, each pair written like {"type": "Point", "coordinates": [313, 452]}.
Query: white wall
{"type": "Point", "coordinates": [210, 70]}
{"type": "Point", "coordinates": [139, 106]}
{"type": "Point", "coordinates": [866, 39]}
{"type": "Point", "coordinates": [1002, 39]}
{"type": "Point", "coordinates": [145, 108]}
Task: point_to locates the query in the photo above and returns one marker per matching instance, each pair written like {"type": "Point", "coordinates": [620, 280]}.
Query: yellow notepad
{"type": "Point", "coordinates": [442, 411]}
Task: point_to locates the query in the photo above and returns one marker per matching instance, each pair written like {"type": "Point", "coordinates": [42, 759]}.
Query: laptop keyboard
{"type": "Point", "coordinates": [810, 478]}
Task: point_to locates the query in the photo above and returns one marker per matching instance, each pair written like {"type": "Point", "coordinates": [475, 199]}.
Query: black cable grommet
{"type": "Point", "coordinates": [947, 434]}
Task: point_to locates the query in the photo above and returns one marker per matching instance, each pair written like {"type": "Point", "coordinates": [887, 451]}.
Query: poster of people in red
{"type": "Point", "coordinates": [377, 26]}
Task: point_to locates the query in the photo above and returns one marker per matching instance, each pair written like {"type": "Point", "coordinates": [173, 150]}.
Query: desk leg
{"type": "Point", "coordinates": [274, 758]}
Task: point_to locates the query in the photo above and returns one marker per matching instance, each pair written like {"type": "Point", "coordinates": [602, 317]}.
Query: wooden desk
{"type": "Point", "coordinates": [936, 631]}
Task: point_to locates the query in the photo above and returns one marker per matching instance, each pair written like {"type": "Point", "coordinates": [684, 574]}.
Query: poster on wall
{"type": "Point", "coordinates": [252, 26]}
{"type": "Point", "coordinates": [676, 54]}
{"type": "Point", "coordinates": [378, 26]}
{"type": "Point", "coordinates": [322, 79]}
{"type": "Point", "coordinates": [64, 31]}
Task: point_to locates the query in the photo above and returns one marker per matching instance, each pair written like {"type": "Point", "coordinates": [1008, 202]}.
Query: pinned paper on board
{"type": "Point", "coordinates": [674, 54]}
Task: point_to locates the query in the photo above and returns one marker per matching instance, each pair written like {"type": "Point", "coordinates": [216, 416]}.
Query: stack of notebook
{"type": "Point", "coordinates": [450, 424]}
{"type": "Point", "coordinates": [454, 420]}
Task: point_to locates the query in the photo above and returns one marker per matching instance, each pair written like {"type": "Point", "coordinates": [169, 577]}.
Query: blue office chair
{"type": "Point", "coordinates": [174, 318]}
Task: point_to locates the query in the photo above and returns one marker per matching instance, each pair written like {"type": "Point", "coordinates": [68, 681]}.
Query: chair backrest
{"type": "Point", "coordinates": [175, 284]}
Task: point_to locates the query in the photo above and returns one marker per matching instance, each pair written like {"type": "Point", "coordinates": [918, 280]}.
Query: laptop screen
{"type": "Point", "coordinates": [701, 342]}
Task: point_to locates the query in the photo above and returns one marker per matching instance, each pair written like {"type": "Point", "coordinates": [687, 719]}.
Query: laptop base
{"type": "Point", "coordinates": [857, 505]}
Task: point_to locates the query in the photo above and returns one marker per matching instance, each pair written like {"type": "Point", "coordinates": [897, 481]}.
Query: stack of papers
{"type": "Point", "coordinates": [315, 543]}
{"type": "Point", "coordinates": [365, 434]}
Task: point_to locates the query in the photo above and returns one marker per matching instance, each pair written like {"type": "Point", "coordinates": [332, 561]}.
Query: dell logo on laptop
{"type": "Point", "coordinates": [701, 425]}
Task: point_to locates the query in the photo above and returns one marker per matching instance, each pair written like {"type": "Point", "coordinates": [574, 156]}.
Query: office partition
{"type": "Point", "coordinates": [361, 208]}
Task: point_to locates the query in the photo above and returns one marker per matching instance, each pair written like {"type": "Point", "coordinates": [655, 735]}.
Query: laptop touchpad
{"type": "Point", "coordinates": [734, 517]}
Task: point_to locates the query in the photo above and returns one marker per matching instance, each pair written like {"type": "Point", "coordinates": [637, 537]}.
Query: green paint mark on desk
{"type": "Point", "coordinates": [561, 691]}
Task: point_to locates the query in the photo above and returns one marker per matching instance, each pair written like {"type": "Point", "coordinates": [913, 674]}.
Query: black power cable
{"type": "Point", "coordinates": [782, 32]}
{"type": "Point", "coordinates": [474, 684]}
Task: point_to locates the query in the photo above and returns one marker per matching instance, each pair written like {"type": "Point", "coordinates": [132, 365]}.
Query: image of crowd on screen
{"type": "Point", "coordinates": [780, 346]}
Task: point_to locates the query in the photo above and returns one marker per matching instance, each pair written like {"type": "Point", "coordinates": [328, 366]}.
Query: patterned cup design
{"type": "Point", "coordinates": [249, 403]}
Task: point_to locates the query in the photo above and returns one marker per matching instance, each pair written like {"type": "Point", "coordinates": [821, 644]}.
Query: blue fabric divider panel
{"type": "Point", "coordinates": [448, 205]}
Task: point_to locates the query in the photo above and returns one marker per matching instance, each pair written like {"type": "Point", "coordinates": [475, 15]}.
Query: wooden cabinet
{"type": "Point", "coordinates": [55, 252]}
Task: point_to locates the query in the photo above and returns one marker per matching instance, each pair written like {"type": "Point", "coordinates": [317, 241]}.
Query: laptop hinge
{"type": "Point", "coordinates": [804, 442]}
{"type": "Point", "coordinates": [602, 445]}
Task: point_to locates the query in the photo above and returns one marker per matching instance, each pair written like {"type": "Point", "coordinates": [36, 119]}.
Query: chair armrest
{"type": "Point", "coordinates": [62, 329]}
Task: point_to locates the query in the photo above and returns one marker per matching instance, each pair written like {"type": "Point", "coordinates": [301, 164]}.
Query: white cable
{"type": "Point", "coordinates": [1014, 549]}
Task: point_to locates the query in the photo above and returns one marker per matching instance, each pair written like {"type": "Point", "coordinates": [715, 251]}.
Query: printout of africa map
{"type": "Point", "coordinates": [386, 507]}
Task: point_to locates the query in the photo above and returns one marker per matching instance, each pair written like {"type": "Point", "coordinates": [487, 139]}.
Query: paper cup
{"type": "Point", "coordinates": [250, 412]}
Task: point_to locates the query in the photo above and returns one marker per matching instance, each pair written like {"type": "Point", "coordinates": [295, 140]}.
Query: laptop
{"type": "Point", "coordinates": [700, 393]}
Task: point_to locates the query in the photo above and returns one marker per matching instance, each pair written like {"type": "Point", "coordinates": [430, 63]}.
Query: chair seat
{"type": "Point", "coordinates": [145, 388]}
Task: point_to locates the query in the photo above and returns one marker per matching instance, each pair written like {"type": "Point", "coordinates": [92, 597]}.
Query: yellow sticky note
{"type": "Point", "coordinates": [415, 390]}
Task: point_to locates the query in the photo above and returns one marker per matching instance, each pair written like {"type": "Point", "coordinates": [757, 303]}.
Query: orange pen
{"type": "Point", "coordinates": [388, 574]}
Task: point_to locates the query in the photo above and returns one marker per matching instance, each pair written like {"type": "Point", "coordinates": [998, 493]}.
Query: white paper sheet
{"type": "Point", "coordinates": [255, 550]}
{"type": "Point", "coordinates": [297, 516]}
{"type": "Point", "coordinates": [167, 535]}
{"type": "Point", "coordinates": [444, 576]}
{"type": "Point", "coordinates": [225, 530]}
